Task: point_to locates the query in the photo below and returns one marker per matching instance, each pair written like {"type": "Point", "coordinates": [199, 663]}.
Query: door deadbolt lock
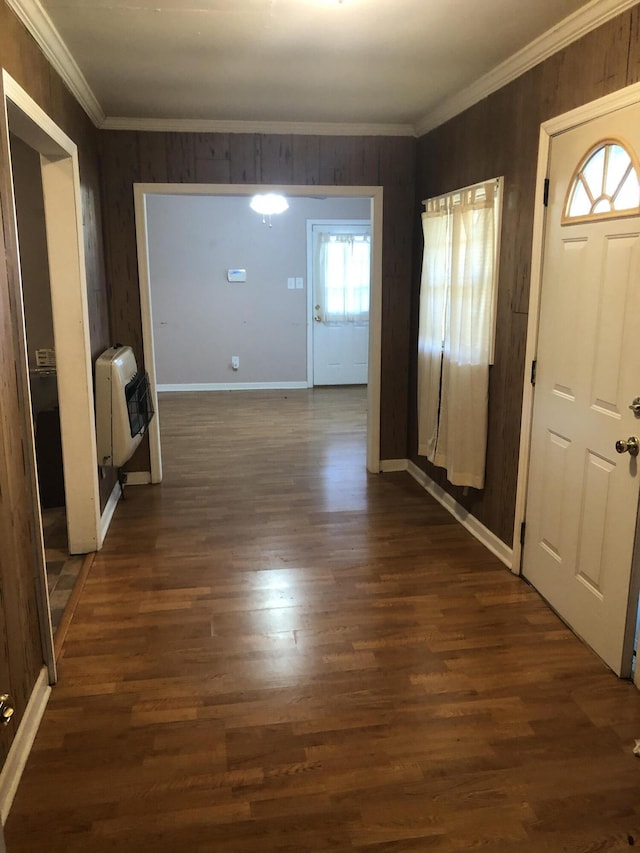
{"type": "Point", "coordinates": [6, 709]}
{"type": "Point", "coordinates": [630, 446]}
{"type": "Point", "coordinates": [635, 407]}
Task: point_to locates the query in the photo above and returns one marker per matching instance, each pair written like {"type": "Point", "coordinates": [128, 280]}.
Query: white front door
{"type": "Point", "coordinates": [582, 498]}
{"type": "Point", "coordinates": [340, 328]}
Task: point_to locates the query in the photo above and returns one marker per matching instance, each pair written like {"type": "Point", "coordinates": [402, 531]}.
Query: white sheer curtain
{"type": "Point", "coordinates": [434, 290]}
{"type": "Point", "coordinates": [343, 267]}
{"type": "Point", "coordinates": [456, 314]}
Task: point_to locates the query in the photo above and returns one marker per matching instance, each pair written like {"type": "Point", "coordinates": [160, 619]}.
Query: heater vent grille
{"type": "Point", "coordinates": [139, 403]}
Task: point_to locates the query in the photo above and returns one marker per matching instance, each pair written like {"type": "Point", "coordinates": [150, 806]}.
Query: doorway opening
{"type": "Point", "coordinates": [63, 442]}
{"type": "Point", "coordinates": [144, 194]}
{"type": "Point", "coordinates": [62, 568]}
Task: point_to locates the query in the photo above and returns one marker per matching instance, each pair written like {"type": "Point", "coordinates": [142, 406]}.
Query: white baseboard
{"type": "Point", "coordinates": [22, 743]}
{"type": "Point", "coordinates": [107, 513]}
{"type": "Point", "coordinates": [234, 386]}
{"type": "Point", "coordinates": [497, 547]}
{"type": "Point", "coordinates": [388, 466]}
{"type": "Point", "coordinates": [137, 478]}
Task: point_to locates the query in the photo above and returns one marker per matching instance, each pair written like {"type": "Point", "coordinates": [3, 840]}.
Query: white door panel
{"type": "Point", "coordinates": [340, 355]}
{"type": "Point", "coordinates": [583, 496]}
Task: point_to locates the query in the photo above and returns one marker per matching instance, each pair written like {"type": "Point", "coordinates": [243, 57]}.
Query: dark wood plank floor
{"type": "Point", "coordinates": [278, 652]}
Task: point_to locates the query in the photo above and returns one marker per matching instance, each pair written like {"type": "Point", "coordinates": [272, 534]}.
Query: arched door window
{"type": "Point", "coordinates": [606, 184]}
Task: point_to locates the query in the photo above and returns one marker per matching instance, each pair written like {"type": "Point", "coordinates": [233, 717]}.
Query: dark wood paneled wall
{"type": "Point", "coordinates": [20, 647]}
{"type": "Point", "coordinates": [499, 136]}
{"type": "Point", "coordinates": [389, 162]}
{"type": "Point", "coordinates": [22, 58]}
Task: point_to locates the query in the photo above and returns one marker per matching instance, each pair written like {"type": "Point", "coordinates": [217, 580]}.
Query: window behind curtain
{"type": "Point", "coordinates": [456, 332]}
{"type": "Point", "coordinates": [343, 269]}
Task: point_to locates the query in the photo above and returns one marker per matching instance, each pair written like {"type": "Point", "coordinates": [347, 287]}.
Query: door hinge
{"type": "Point", "coordinates": [534, 370]}
{"type": "Point", "coordinates": [545, 198]}
{"type": "Point", "coordinates": [523, 528]}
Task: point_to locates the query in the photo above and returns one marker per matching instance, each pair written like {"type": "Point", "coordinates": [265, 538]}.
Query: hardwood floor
{"type": "Point", "coordinates": [276, 651]}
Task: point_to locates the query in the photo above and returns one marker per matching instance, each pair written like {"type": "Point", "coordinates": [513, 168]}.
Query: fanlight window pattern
{"type": "Point", "coordinates": [606, 184]}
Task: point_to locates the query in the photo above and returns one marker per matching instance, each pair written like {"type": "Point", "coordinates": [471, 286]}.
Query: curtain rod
{"type": "Point", "coordinates": [477, 186]}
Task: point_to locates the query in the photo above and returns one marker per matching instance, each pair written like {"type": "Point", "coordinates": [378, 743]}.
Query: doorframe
{"type": "Point", "coordinates": [65, 250]}
{"type": "Point", "coordinates": [375, 194]}
{"type": "Point", "coordinates": [311, 223]}
{"type": "Point", "coordinates": [620, 99]}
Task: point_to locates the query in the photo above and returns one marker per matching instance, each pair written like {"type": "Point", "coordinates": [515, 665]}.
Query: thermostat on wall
{"type": "Point", "coordinates": [236, 275]}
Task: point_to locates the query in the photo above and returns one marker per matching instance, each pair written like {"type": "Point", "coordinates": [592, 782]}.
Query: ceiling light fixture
{"type": "Point", "coordinates": [268, 204]}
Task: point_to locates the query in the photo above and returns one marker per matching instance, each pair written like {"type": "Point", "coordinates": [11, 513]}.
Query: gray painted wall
{"type": "Point", "coordinates": [200, 320]}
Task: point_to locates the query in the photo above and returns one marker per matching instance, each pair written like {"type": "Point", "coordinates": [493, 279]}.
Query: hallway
{"type": "Point", "coordinates": [276, 651]}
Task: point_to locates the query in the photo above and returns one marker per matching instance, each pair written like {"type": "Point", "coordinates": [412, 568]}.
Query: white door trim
{"type": "Point", "coordinates": [375, 194]}
{"type": "Point", "coordinates": [63, 214]}
{"type": "Point", "coordinates": [65, 246]}
{"type": "Point", "coordinates": [567, 121]}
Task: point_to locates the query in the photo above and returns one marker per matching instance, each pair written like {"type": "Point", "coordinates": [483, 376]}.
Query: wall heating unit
{"type": "Point", "coordinates": [124, 406]}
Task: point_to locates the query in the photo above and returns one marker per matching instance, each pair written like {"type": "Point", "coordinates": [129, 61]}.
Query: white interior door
{"type": "Point", "coordinates": [582, 498]}
{"type": "Point", "coordinates": [340, 348]}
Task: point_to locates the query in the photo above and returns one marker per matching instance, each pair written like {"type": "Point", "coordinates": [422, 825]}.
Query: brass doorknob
{"type": "Point", "coordinates": [6, 709]}
{"type": "Point", "coordinates": [630, 446]}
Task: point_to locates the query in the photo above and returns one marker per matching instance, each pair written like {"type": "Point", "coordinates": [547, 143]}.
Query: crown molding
{"type": "Point", "coordinates": [594, 14]}
{"type": "Point", "coordinates": [572, 28]}
{"type": "Point", "coordinates": [303, 128]}
{"type": "Point", "coordinates": [41, 27]}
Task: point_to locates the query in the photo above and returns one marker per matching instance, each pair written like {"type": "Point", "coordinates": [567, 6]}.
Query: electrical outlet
{"type": "Point", "coordinates": [235, 362]}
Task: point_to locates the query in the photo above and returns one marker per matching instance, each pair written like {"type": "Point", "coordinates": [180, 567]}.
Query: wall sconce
{"type": "Point", "coordinates": [268, 204]}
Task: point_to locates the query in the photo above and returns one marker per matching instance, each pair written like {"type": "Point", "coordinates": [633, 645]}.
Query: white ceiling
{"type": "Point", "coordinates": [377, 62]}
